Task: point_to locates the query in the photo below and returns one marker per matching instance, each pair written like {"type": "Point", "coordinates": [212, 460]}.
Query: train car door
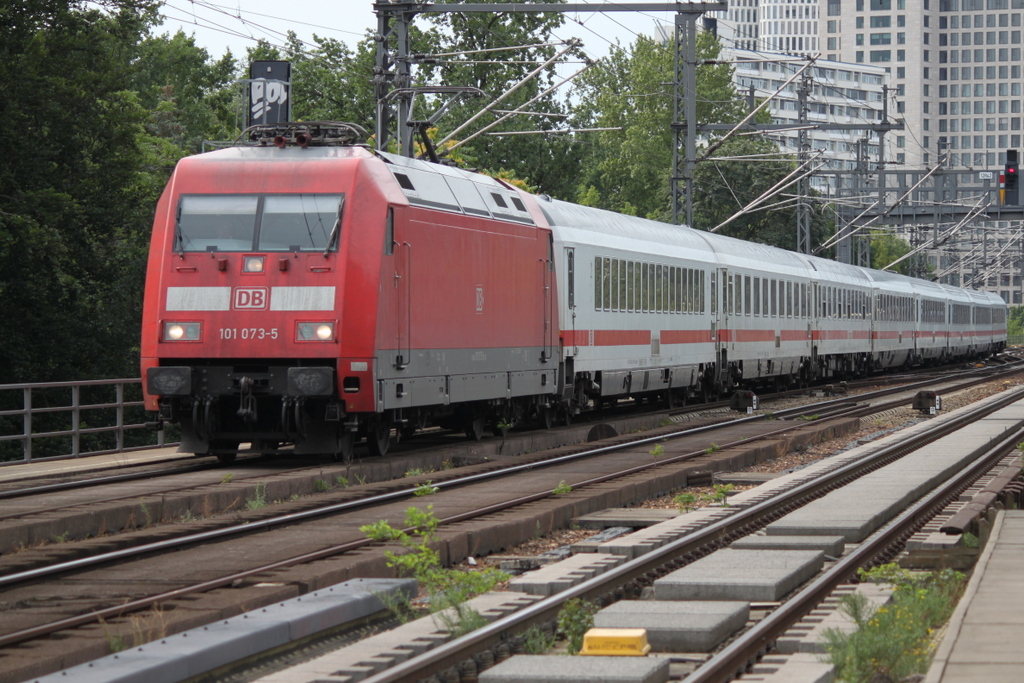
{"type": "Point", "coordinates": [402, 252]}
{"type": "Point", "coordinates": [569, 314]}
{"type": "Point", "coordinates": [724, 333]}
{"type": "Point", "coordinates": [548, 283]}
{"type": "Point", "coordinates": [813, 326]}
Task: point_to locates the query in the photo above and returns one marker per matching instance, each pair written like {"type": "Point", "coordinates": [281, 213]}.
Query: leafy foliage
{"type": "Point", "coordinates": [893, 641]}
{"type": "Point", "coordinates": [886, 248]}
{"type": "Point", "coordinates": [449, 589]}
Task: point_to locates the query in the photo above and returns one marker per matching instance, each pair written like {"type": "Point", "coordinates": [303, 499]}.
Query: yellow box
{"type": "Point", "coordinates": [621, 642]}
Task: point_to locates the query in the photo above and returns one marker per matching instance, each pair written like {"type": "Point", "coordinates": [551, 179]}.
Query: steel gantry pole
{"type": "Point", "coordinates": [392, 77]}
{"type": "Point", "coordinates": [684, 101]}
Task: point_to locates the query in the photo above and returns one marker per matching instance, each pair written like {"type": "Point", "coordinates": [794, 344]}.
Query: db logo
{"type": "Point", "coordinates": [251, 298]}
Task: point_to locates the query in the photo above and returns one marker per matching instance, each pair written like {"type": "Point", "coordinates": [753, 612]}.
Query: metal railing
{"type": "Point", "coordinates": [58, 420]}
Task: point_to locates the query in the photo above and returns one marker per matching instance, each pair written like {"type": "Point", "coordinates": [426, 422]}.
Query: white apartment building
{"type": "Point", "coordinates": [956, 67]}
{"type": "Point", "coordinates": [840, 94]}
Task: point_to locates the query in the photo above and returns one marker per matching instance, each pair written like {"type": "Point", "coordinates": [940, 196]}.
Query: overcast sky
{"type": "Point", "coordinates": [219, 25]}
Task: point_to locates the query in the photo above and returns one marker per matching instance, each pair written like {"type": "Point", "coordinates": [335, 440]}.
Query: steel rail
{"type": "Point", "coordinates": [45, 629]}
{"type": "Point", "coordinates": [746, 649]}
{"type": "Point", "coordinates": [609, 585]}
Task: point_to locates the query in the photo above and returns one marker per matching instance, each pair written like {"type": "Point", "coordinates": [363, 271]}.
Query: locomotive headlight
{"type": "Point", "coordinates": [323, 331]}
{"type": "Point", "coordinates": [182, 332]}
{"type": "Point", "coordinates": [252, 264]}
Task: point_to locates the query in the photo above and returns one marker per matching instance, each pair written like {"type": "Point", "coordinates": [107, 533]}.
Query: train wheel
{"type": "Point", "coordinates": [475, 428]}
{"type": "Point", "coordinates": [346, 448]}
{"type": "Point", "coordinates": [546, 416]}
{"type": "Point", "coordinates": [565, 412]}
{"type": "Point", "coordinates": [378, 439]}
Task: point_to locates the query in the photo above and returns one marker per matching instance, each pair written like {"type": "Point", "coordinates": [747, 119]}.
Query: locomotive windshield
{"type": "Point", "coordinates": [284, 222]}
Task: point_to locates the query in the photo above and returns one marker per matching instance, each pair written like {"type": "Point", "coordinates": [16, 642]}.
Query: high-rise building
{"type": "Point", "coordinates": [956, 67]}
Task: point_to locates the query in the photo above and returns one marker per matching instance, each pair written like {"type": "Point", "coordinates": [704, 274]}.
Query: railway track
{"type": "Point", "coordinates": [126, 602]}
{"type": "Point", "coordinates": [744, 651]}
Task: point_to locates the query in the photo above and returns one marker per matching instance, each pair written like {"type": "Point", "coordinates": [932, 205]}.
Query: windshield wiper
{"type": "Point", "coordinates": [336, 229]}
{"type": "Point", "coordinates": [179, 239]}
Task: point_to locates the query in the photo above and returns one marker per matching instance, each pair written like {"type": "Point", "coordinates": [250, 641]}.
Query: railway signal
{"type": "Point", "coordinates": [1011, 182]}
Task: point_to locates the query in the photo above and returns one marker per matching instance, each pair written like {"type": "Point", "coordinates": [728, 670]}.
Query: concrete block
{"type": "Point", "coordinates": [565, 574]}
{"type": "Point", "coordinates": [209, 647]}
{"type": "Point", "coordinates": [750, 575]}
{"type": "Point", "coordinates": [830, 545]}
{"type": "Point", "coordinates": [631, 517]}
{"type": "Point", "coordinates": [672, 626]}
{"type": "Point", "coordinates": [796, 668]}
{"type": "Point", "coordinates": [559, 669]}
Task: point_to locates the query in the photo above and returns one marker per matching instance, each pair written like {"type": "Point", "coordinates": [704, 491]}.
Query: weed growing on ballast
{"type": "Point", "coordinates": [575, 619]}
{"type": "Point", "coordinates": [894, 641]}
{"type": "Point", "coordinates": [685, 501]}
{"type": "Point", "coordinates": [258, 499]}
{"type": "Point", "coordinates": [448, 589]}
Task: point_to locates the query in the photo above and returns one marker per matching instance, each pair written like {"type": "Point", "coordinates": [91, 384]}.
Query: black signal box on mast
{"type": "Point", "coordinates": [1011, 181]}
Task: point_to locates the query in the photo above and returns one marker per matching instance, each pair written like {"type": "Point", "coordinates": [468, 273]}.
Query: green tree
{"type": "Point", "coordinates": [628, 170]}
{"type": "Point", "coordinates": [545, 162]}
{"type": "Point", "coordinates": [191, 97]}
{"type": "Point", "coordinates": [886, 248]}
{"type": "Point", "coordinates": [79, 184]}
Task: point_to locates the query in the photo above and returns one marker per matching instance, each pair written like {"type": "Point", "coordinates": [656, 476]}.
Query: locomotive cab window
{"type": "Point", "coordinates": [280, 223]}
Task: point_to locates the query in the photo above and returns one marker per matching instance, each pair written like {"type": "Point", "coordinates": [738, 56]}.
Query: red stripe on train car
{"type": "Point", "coordinates": [747, 335]}
{"type": "Point", "coordinates": [685, 336]}
{"type": "Point", "coordinates": [621, 337]}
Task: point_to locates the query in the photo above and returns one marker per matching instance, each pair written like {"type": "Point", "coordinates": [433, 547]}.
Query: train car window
{"type": "Point", "coordinates": [606, 284]}
{"type": "Point", "coordinates": [389, 233]}
{"type": "Point", "coordinates": [789, 299]}
{"type": "Point", "coordinates": [216, 222]}
{"type": "Point", "coordinates": [714, 292]}
{"type": "Point", "coordinates": [637, 288]}
{"type": "Point", "coordinates": [690, 286]}
{"type": "Point", "coordinates": [774, 299]}
{"type": "Point", "coordinates": [299, 222]}
{"type": "Point", "coordinates": [622, 285]}
{"type": "Point", "coordinates": [629, 286]}
{"type": "Point", "coordinates": [747, 290]}
{"type": "Point", "coordinates": [659, 289]}
{"type": "Point", "coordinates": [739, 295]}
{"type": "Point", "coordinates": [677, 275]}
{"type": "Point", "coordinates": [645, 283]}
{"type": "Point", "coordinates": [518, 203]}
{"type": "Point", "coordinates": [499, 200]}
{"type": "Point", "coordinates": [682, 290]}
{"type": "Point", "coordinates": [669, 280]}
{"type": "Point", "coordinates": [404, 181]}
{"type": "Point", "coordinates": [570, 275]}
{"type": "Point", "coordinates": [615, 285]}
{"type": "Point", "coordinates": [650, 284]}
{"type": "Point", "coordinates": [702, 291]}
{"type": "Point", "coordinates": [757, 296]}
{"type": "Point", "coordinates": [727, 294]}
{"type": "Point", "coordinates": [685, 276]}
{"type": "Point", "coordinates": [764, 297]}
{"type": "Point", "coordinates": [597, 283]}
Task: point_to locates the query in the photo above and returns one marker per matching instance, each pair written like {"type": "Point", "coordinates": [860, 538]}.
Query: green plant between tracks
{"type": "Point", "coordinates": [895, 640]}
{"type": "Point", "coordinates": [448, 590]}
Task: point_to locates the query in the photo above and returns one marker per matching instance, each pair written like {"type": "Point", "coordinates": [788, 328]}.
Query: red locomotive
{"type": "Point", "coordinates": [300, 294]}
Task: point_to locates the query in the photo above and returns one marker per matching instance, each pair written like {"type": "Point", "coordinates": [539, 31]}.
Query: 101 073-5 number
{"type": "Point", "coordinates": [248, 333]}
